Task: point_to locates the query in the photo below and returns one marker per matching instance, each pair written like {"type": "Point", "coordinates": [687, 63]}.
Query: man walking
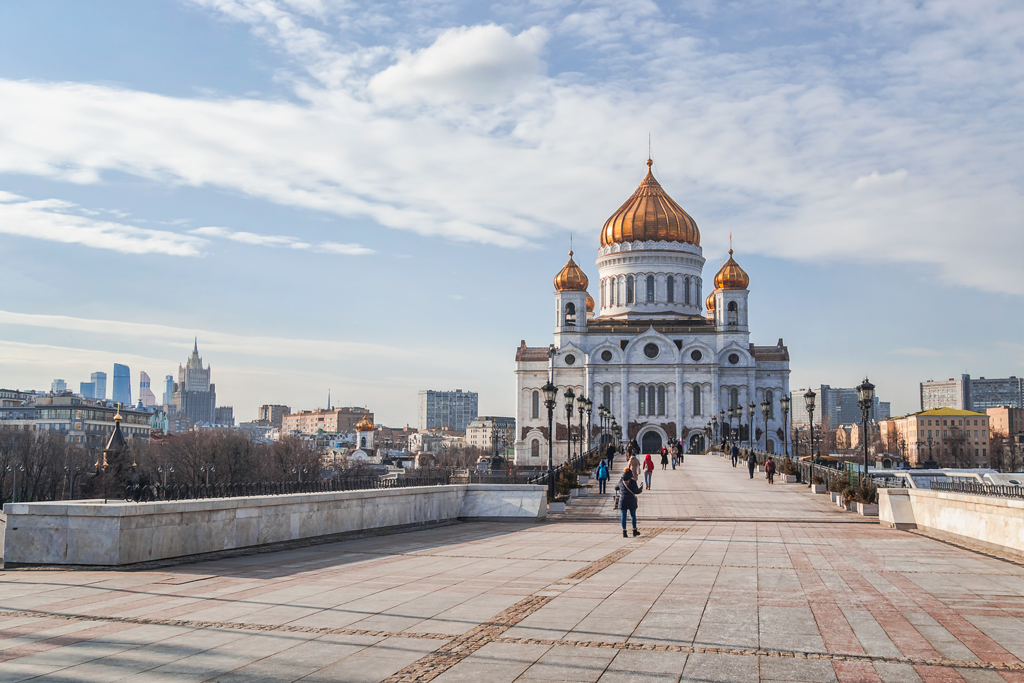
{"type": "Point", "coordinates": [751, 462]}
{"type": "Point", "coordinates": [609, 455]}
{"type": "Point", "coordinates": [602, 476]}
{"type": "Point", "coordinates": [735, 453]}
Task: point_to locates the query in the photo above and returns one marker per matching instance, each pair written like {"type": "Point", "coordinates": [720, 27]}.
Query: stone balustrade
{"type": "Point", "coordinates": [122, 533]}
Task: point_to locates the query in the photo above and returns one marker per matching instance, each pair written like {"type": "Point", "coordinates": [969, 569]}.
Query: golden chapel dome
{"type": "Point", "coordinates": [590, 303]}
{"type": "Point", "coordinates": [571, 278]}
{"type": "Point", "coordinates": [650, 215]}
{"type": "Point", "coordinates": [709, 303]}
{"type": "Point", "coordinates": [731, 276]}
{"type": "Point", "coordinates": [366, 424]}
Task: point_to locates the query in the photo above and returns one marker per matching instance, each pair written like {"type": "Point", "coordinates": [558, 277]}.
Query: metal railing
{"type": "Point", "coordinates": [156, 492]}
{"type": "Point", "coordinates": [1001, 491]}
{"type": "Point", "coordinates": [575, 463]}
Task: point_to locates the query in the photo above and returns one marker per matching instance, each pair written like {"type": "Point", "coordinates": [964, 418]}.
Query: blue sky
{"type": "Point", "coordinates": [373, 199]}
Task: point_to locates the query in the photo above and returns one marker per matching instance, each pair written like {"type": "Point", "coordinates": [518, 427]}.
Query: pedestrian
{"type": "Point", "coordinates": [675, 454]}
{"type": "Point", "coordinates": [609, 455]}
{"type": "Point", "coordinates": [735, 452]}
{"type": "Point", "coordinates": [751, 462]}
{"type": "Point", "coordinates": [682, 451]}
{"type": "Point", "coordinates": [664, 458]}
{"type": "Point", "coordinates": [769, 470]}
{"type": "Point", "coordinates": [628, 491]}
{"type": "Point", "coordinates": [634, 465]}
{"type": "Point", "coordinates": [648, 469]}
{"type": "Point", "coordinates": [602, 476]}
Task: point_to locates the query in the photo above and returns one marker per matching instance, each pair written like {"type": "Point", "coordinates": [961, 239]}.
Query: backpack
{"type": "Point", "coordinates": [602, 471]}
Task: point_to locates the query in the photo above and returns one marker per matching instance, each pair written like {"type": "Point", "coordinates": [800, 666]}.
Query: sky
{"type": "Point", "coordinates": [372, 199]}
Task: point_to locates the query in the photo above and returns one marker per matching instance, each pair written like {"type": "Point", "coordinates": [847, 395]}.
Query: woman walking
{"type": "Point", "coordinates": [769, 470]}
{"type": "Point", "coordinates": [634, 464]}
{"type": "Point", "coordinates": [648, 469]}
{"type": "Point", "coordinates": [628, 491]}
{"type": "Point", "coordinates": [664, 458]}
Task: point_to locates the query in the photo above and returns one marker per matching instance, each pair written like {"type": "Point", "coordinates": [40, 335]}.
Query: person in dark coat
{"type": "Point", "coordinates": [751, 462]}
{"type": "Point", "coordinates": [769, 470]}
{"type": "Point", "coordinates": [628, 489]}
{"type": "Point", "coordinates": [735, 453]}
{"type": "Point", "coordinates": [664, 458]}
{"type": "Point", "coordinates": [609, 455]}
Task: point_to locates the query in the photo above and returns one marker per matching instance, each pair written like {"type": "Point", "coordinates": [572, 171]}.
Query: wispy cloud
{"type": "Point", "coordinates": [281, 241]}
{"type": "Point", "coordinates": [56, 220]}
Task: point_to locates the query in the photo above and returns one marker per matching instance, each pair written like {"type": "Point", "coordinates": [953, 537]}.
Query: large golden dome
{"type": "Point", "coordinates": [366, 424]}
{"type": "Point", "coordinates": [571, 278]}
{"type": "Point", "coordinates": [731, 276]}
{"type": "Point", "coordinates": [650, 215]}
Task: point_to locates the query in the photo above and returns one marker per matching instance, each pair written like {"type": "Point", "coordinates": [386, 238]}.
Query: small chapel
{"type": "Point", "coordinates": [657, 354]}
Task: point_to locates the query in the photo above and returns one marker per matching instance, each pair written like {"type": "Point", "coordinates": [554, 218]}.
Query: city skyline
{"type": "Point", "coordinates": [431, 167]}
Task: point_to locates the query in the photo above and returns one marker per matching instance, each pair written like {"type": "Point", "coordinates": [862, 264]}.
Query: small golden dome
{"type": "Point", "coordinates": [571, 278]}
{"type": "Point", "coordinates": [366, 424]}
{"type": "Point", "coordinates": [731, 276]}
{"type": "Point", "coordinates": [590, 303]}
{"type": "Point", "coordinates": [709, 303]}
{"type": "Point", "coordinates": [650, 215]}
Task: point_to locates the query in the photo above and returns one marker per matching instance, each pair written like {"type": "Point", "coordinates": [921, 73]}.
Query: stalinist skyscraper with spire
{"type": "Point", "coordinates": [194, 396]}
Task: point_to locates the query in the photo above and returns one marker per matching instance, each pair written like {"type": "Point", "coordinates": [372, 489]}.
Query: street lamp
{"type": "Point", "coordinates": [584, 407]}
{"type": "Point", "coordinates": [299, 471]}
{"type": "Point", "coordinates": [550, 394]}
{"type": "Point", "coordinates": [714, 427]}
{"type": "Point", "coordinates": [569, 397]}
{"type": "Point", "coordinates": [750, 424]}
{"type": "Point", "coordinates": [809, 405]}
{"type": "Point", "coordinates": [207, 469]}
{"type": "Point", "coordinates": [784, 405]}
{"type": "Point", "coordinates": [865, 399]}
{"type": "Point", "coordinates": [766, 408]}
{"type": "Point", "coordinates": [721, 422]}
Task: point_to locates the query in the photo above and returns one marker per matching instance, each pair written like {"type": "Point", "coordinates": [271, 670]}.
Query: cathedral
{"type": "Point", "coordinates": [659, 356]}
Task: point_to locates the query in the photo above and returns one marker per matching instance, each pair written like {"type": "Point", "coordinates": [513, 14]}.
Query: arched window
{"type": "Point", "coordinates": [686, 289]}
{"type": "Point", "coordinates": [734, 398]}
{"type": "Point", "coordinates": [535, 449]}
{"type": "Point", "coordinates": [670, 284]}
{"type": "Point", "coordinates": [570, 314]}
{"type": "Point", "coordinates": [652, 401]}
{"type": "Point", "coordinates": [629, 289]}
{"type": "Point", "coordinates": [733, 316]}
{"type": "Point", "coordinates": [696, 401]}
{"type": "Point", "coordinates": [535, 408]}
{"type": "Point", "coordinates": [661, 400]}
{"type": "Point", "coordinates": [769, 396]}
{"type": "Point", "coordinates": [362, 442]}
{"type": "Point", "coordinates": [641, 402]}
{"type": "Point", "coordinates": [700, 297]}
{"type": "Point", "coordinates": [650, 289]}
{"type": "Point", "coordinates": [606, 395]}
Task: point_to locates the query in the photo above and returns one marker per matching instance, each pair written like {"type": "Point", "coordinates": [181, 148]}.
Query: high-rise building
{"type": "Point", "coordinates": [168, 390]}
{"type": "Point", "coordinates": [100, 380]}
{"type": "Point", "coordinates": [973, 394]}
{"type": "Point", "coordinates": [122, 389]}
{"type": "Point", "coordinates": [272, 414]}
{"type": "Point", "coordinates": [194, 396]}
{"type": "Point", "coordinates": [57, 386]}
{"type": "Point", "coordinates": [145, 392]}
{"type": "Point", "coordinates": [224, 415]}
{"type": "Point", "coordinates": [447, 409]}
{"type": "Point", "coordinates": [834, 406]}
{"type": "Point", "coordinates": [87, 389]}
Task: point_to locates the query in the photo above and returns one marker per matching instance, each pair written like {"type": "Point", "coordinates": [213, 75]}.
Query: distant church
{"type": "Point", "coordinates": [650, 354]}
{"type": "Point", "coordinates": [193, 395]}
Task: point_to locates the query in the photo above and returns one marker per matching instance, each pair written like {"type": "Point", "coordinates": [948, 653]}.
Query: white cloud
{"type": "Point", "coordinates": [876, 179]}
{"type": "Point", "coordinates": [53, 220]}
{"type": "Point", "coordinates": [470, 63]}
{"type": "Point", "coordinates": [281, 241]}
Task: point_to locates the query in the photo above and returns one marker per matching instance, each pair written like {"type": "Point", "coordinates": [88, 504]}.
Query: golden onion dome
{"type": "Point", "coordinates": [590, 303]}
{"type": "Point", "coordinates": [366, 424]}
{"type": "Point", "coordinates": [731, 276]}
{"type": "Point", "coordinates": [709, 303]}
{"type": "Point", "coordinates": [571, 278]}
{"type": "Point", "coordinates": [650, 215]}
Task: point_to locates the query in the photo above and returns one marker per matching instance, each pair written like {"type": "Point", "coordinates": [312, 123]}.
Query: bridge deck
{"type": "Point", "coordinates": [733, 580]}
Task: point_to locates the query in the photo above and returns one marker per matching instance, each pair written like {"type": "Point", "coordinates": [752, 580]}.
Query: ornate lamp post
{"type": "Point", "coordinates": [865, 399]}
{"type": "Point", "coordinates": [809, 398]}
{"type": "Point", "coordinates": [299, 471]}
{"type": "Point", "coordinates": [14, 469]}
{"type": "Point", "coordinates": [616, 433]}
{"type": "Point", "coordinates": [570, 397]}
{"type": "Point", "coordinates": [784, 405]}
{"type": "Point", "coordinates": [714, 427]}
{"type": "Point", "coordinates": [584, 407]}
{"type": "Point", "coordinates": [732, 433]}
{"type": "Point", "coordinates": [206, 469]}
{"type": "Point", "coordinates": [750, 424]}
{"type": "Point", "coordinates": [721, 423]}
{"type": "Point", "coordinates": [766, 408]}
{"type": "Point", "coordinates": [550, 392]}
{"type": "Point", "coordinates": [600, 423]}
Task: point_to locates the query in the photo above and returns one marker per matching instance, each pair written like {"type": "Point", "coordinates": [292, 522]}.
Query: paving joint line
{"type": "Point", "coordinates": [448, 655]}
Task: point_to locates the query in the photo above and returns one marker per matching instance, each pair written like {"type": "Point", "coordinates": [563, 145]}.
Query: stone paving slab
{"type": "Point", "coordinates": [732, 580]}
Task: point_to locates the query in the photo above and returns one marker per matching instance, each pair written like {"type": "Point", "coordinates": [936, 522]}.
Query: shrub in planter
{"type": "Point", "coordinates": [816, 479]}
{"type": "Point", "coordinates": [786, 467]}
{"type": "Point", "coordinates": [866, 493]}
{"type": "Point", "coordinates": [837, 484]}
{"type": "Point", "coordinates": [567, 481]}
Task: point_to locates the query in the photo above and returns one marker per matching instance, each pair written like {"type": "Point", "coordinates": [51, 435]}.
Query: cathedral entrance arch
{"type": "Point", "coordinates": [651, 442]}
{"type": "Point", "coordinates": [697, 443]}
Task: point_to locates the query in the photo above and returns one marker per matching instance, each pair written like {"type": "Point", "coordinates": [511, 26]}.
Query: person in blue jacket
{"type": "Point", "coordinates": [602, 477]}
